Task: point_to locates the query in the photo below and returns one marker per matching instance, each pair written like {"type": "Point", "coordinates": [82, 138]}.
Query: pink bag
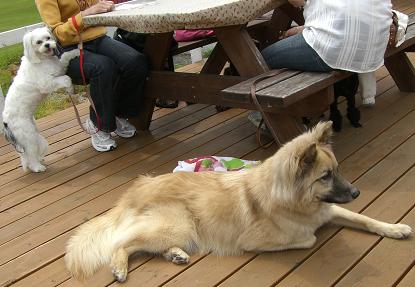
{"type": "Point", "coordinates": [192, 35]}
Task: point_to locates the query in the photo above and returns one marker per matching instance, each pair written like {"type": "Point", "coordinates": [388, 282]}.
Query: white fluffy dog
{"type": "Point", "coordinates": [40, 73]}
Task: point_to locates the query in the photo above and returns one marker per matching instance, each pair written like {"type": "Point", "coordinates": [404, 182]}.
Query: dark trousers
{"type": "Point", "coordinates": [116, 74]}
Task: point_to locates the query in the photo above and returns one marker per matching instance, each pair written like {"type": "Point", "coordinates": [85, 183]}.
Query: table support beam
{"type": "Point", "coordinates": [157, 48]}
{"type": "Point", "coordinates": [402, 71]}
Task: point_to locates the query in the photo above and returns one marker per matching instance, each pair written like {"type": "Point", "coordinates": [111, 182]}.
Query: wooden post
{"type": "Point", "coordinates": [402, 71]}
{"type": "Point", "coordinates": [157, 49]}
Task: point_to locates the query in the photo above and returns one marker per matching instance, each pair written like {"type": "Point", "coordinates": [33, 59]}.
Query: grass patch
{"type": "Point", "coordinates": [55, 102]}
{"type": "Point", "coordinates": [9, 56]}
{"type": "Point", "coordinates": [17, 13]}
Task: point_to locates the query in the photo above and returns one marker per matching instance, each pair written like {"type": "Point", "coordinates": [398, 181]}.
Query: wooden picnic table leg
{"type": "Point", "coordinates": [216, 61]}
{"type": "Point", "coordinates": [249, 62]}
{"type": "Point", "coordinates": [402, 71]}
{"type": "Point", "coordinates": [157, 48]}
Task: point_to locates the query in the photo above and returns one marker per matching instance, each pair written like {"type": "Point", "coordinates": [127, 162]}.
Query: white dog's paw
{"type": "Point", "coordinates": [396, 231]}
{"type": "Point", "coordinates": [37, 167]}
{"type": "Point", "coordinates": [67, 83]}
{"type": "Point", "coordinates": [76, 53]}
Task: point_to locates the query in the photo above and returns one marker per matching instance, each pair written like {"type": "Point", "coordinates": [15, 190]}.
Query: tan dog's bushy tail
{"type": "Point", "coordinates": [92, 246]}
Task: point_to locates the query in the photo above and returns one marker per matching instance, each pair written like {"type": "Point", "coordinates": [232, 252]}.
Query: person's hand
{"type": "Point", "coordinates": [297, 3]}
{"type": "Point", "coordinates": [101, 7]}
{"type": "Point", "coordinates": [292, 31]}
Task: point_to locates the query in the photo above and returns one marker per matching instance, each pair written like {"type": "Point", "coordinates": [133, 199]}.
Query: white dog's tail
{"type": "Point", "coordinates": [94, 243]}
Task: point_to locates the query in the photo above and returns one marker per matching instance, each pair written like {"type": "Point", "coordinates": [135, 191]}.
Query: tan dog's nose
{"type": "Point", "coordinates": [355, 192]}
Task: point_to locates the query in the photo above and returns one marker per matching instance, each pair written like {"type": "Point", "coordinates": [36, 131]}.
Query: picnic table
{"type": "Point", "coordinates": [235, 43]}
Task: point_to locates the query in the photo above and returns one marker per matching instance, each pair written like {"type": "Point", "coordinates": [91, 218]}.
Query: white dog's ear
{"type": "Point", "coordinates": [29, 52]}
{"type": "Point", "coordinates": [323, 132]}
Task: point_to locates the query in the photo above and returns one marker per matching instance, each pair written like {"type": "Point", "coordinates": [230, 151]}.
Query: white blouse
{"type": "Point", "coordinates": [348, 35]}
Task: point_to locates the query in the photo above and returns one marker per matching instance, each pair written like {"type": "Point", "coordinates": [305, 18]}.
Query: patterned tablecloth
{"type": "Point", "coordinates": [158, 16]}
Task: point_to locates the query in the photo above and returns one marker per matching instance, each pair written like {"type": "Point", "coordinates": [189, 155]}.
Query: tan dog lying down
{"type": "Point", "coordinates": [276, 206]}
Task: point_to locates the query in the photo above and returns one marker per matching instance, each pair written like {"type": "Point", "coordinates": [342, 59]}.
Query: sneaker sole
{"type": "Point", "coordinates": [103, 148]}
{"type": "Point", "coordinates": [126, 136]}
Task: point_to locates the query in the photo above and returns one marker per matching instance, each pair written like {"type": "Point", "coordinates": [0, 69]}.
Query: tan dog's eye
{"type": "Point", "coordinates": [48, 38]}
{"type": "Point", "coordinates": [39, 42]}
{"type": "Point", "coordinates": [326, 176]}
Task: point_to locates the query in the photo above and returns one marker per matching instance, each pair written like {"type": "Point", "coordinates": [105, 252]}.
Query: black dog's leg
{"type": "Point", "coordinates": [336, 116]}
{"type": "Point", "coordinates": [353, 113]}
{"type": "Point", "coordinates": [346, 88]}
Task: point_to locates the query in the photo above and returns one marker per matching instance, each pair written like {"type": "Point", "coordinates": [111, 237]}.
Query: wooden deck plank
{"type": "Point", "coordinates": [62, 131]}
{"type": "Point", "coordinates": [265, 269]}
{"type": "Point", "coordinates": [385, 115]}
{"type": "Point", "coordinates": [73, 135]}
{"type": "Point", "coordinates": [143, 139]}
{"type": "Point", "coordinates": [59, 118]}
{"type": "Point", "coordinates": [391, 257]}
{"type": "Point", "coordinates": [409, 279]}
{"type": "Point", "coordinates": [53, 131]}
{"type": "Point", "coordinates": [79, 152]}
{"type": "Point", "coordinates": [211, 148]}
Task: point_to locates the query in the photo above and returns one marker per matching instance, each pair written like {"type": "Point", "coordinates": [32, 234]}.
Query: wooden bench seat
{"type": "Point", "coordinates": [294, 94]}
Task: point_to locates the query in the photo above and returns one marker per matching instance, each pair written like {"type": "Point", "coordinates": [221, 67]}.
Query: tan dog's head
{"type": "Point", "coordinates": [38, 44]}
{"type": "Point", "coordinates": [313, 170]}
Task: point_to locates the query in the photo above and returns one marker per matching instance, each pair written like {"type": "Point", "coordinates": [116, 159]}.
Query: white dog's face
{"type": "Point", "coordinates": [38, 44]}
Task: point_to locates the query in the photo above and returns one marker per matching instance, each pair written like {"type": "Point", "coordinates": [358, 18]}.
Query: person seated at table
{"type": "Point", "coordinates": [115, 72]}
{"type": "Point", "coordinates": [337, 35]}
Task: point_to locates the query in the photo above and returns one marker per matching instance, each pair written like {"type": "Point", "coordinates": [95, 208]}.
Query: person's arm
{"type": "Point", "coordinates": [101, 7]}
{"type": "Point", "coordinates": [64, 30]}
{"type": "Point", "coordinates": [293, 31]}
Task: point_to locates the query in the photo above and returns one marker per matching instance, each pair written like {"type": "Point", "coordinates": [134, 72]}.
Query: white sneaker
{"type": "Point", "coordinates": [124, 128]}
{"type": "Point", "coordinates": [101, 141]}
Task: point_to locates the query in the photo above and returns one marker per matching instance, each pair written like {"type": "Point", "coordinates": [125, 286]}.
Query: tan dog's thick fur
{"type": "Point", "coordinates": [276, 206]}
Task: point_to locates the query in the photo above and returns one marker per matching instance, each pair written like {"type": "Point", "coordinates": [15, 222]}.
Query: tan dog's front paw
{"type": "Point", "coordinates": [397, 231]}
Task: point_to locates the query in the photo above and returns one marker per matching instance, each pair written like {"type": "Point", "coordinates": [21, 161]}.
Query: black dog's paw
{"type": "Point", "coordinates": [337, 119]}
{"type": "Point", "coordinates": [220, 109]}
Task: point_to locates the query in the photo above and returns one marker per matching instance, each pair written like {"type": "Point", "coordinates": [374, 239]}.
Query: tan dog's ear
{"type": "Point", "coordinates": [323, 132]}
{"type": "Point", "coordinates": [29, 52]}
{"type": "Point", "coordinates": [308, 157]}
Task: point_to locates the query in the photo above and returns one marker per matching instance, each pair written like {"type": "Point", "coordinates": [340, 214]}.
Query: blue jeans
{"type": "Point", "coordinates": [294, 53]}
{"type": "Point", "coordinates": [116, 74]}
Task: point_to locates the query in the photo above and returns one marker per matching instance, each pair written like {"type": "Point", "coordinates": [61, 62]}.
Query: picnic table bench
{"type": "Point", "coordinates": [291, 95]}
{"type": "Point", "coordinates": [285, 98]}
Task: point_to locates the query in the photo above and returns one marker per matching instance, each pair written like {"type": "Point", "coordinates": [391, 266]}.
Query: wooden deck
{"type": "Point", "coordinates": [38, 212]}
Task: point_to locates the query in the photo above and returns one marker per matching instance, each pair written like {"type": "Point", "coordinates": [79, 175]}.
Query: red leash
{"type": "Point", "coordinates": [81, 67]}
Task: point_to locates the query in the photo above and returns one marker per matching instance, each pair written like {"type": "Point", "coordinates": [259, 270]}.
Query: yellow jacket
{"type": "Point", "coordinates": [57, 15]}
